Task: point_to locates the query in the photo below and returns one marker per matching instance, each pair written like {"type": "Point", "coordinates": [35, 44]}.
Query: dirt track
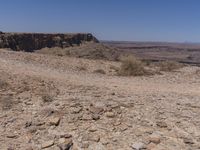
{"type": "Point", "coordinates": [135, 110]}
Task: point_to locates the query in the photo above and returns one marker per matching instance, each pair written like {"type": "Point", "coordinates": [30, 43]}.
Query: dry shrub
{"type": "Point", "coordinates": [169, 66]}
{"type": "Point", "coordinates": [131, 66]}
{"type": "Point", "coordinates": [197, 72]}
{"type": "Point", "coordinates": [3, 84]}
{"type": "Point", "coordinates": [6, 102]}
{"type": "Point", "coordinates": [47, 98]}
{"type": "Point", "coordinates": [82, 68]}
{"type": "Point", "coordinates": [53, 51]}
{"type": "Point", "coordinates": [115, 68]}
{"type": "Point", "coordinates": [147, 62]}
{"type": "Point", "coordinates": [100, 71]}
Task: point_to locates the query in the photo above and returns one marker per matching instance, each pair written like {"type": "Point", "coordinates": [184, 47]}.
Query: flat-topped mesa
{"type": "Point", "coordinates": [35, 41]}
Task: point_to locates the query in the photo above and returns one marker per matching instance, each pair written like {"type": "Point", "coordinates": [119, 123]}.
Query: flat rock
{"type": "Point", "coordinates": [154, 139]}
{"type": "Point", "coordinates": [66, 135]}
{"type": "Point", "coordinates": [96, 110]}
{"type": "Point", "coordinates": [66, 144]}
{"type": "Point", "coordinates": [110, 114]}
{"type": "Point", "coordinates": [161, 124]}
{"type": "Point", "coordinates": [54, 121]}
{"type": "Point", "coordinates": [84, 144]}
{"type": "Point", "coordinates": [92, 129]}
{"type": "Point", "coordinates": [47, 144]}
{"type": "Point", "coordinates": [93, 138]}
{"type": "Point", "coordinates": [95, 116]}
{"type": "Point", "coordinates": [150, 146]}
{"type": "Point", "coordinates": [86, 117]}
{"type": "Point", "coordinates": [76, 110]}
{"type": "Point", "coordinates": [12, 136]}
{"type": "Point", "coordinates": [188, 141]}
{"type": "Point", "coordinates": [138, 146]}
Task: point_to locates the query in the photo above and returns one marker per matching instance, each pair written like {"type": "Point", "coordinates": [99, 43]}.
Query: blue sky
{"type": "Point", "coordinates": [128, 20]}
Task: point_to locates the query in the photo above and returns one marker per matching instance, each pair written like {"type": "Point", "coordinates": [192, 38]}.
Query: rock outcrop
{"type": "Point", "coordinates": [35, 41]}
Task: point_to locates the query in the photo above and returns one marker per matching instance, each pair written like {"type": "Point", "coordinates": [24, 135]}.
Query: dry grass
{"type": "Point", "coordinates": [47, 98]}
{"type": "Point", "coordinates": [197, 72]}
{"type": "Point", "coordinates": [3, 84]}
{"type": "Point", "coordinates": [82, 68]}
{"type": "Point", "coordinates": [54, 51]}
{"type": "Point", "coordinates": [115, 68]}
{"type": "Point", "coordinates": [131, 66]}
{"type": "Point", "coordinates": [6, 102]}
{"type": "Point", "coordinates": [86, 50]}
{"type": "Point", "coordinates": [169, 66]}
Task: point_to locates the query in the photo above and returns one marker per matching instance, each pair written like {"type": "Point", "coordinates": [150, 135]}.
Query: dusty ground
{"type": "Point", "coordinates": [51, 101]}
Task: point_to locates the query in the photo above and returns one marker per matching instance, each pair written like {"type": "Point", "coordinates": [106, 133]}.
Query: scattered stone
{"type": "Point", "coordinates": [29, 103]}
{"type": "Point", "coordinates": [47, 144]}
{"type": "Point", "coordinates": [28, 124]}
{"type": "Point", "coordinates": [86, 117]}
{"type": "Point", "coordinates": [75, 105]}
{"type": "Point", "coordinates": [29, 148]}
{"type": "Point", "coordinates": [95, 116]}
{"type": "Point", "coordinates": [161, 124]}
{"type": "Point", "coordinates": [110, 114]}
{"type": "Point", "coordinates": [76, 110]}
{"type": "Point", "coordinates": [32, 129]}
{"type": "Point", "coordinates": [38, 122]}
{"type": "Point", "coordinates": [104, 141]}
{"type": "Point", "coordinates": [94, 138]}
{"type": "Point", "coordinates": [99, 146]}
{"type": "Point", "coordinates": [154, 139]}
{"type": "Point", "coordinates": [66, 145]}
{"type": "Point", "coordinates": [138, 146]}
{"type": "Point", "coordinates": [66, 136]}
{"type": "Point", "coordinates": [113, 93]}
{"type": "Point", "coordinates": [92, 129]}
{"type": "Point", "coordinates": [114, 140]}
{"type": "Point", "coordinates": [114, 105]}
{"type": "Point", "coordinates": [96, 110]}
{"type": "Point", "coordinates": [150, 146]}
{"type": "Point", "coordinates": [11, 136]}
{"type": "Point", "coordinates": [54, 121]}
{"type": "Point", "coordinates": [61, 140]}
{"type": "Point", "coordinates": [84, 144]}
{"type": "Point", "coordinates": [117, 123]}
{"type": "Point", "coordinates": [188, 141]}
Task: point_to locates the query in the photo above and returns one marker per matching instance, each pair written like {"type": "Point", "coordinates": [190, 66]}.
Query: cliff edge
{"type": "Point", "coordinates": [30, 42]}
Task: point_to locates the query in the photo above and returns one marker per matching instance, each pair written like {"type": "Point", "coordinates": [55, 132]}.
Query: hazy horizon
{"type": "Point", "coordinates": [130, 20]}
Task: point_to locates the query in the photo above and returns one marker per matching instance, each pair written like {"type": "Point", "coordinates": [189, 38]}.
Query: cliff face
{"type": "Point", "coordinates": [35, 41]}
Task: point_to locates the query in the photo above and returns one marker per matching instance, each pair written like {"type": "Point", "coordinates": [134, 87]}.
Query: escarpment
{"type": "Point", "coordinates": [34, 41]}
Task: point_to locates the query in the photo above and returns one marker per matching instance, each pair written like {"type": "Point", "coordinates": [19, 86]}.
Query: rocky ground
{"type": "Point", "coordinates": [63, 103]}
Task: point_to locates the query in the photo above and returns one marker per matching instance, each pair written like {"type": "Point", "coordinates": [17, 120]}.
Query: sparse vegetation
{"type": "Point", "coordinates": [82, 68]}
{"type": "Point", "coordinates": [6, 102]}
{"type": "Point", "coordinates": [147, 62]}
{"type": "Point", "coordinates": [169, 66]}
{"type": "Point", "coordinates": [114, 68]}
{"type": "Point", "coordinates": [85, 50]}
{"type": "Point", "coordinates": [47, 98]}
{"type": "Point", "coordinates": [3, 84]}
{"type": "Point", "coordinates": [197, 72]}
{"type": "Point", "coordinates": [131, 66]}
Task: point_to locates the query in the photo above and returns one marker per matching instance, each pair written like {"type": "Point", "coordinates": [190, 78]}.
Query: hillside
{"type": "Point", "coordinates": [55, 103]}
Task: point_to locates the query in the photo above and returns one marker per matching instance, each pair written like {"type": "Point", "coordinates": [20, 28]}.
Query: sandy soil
{"type": "Point", "coordinates": [52, 102]}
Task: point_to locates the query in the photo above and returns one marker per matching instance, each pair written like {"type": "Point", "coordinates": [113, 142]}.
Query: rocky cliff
{"type": "Point", "coordinates": [35, 41]}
